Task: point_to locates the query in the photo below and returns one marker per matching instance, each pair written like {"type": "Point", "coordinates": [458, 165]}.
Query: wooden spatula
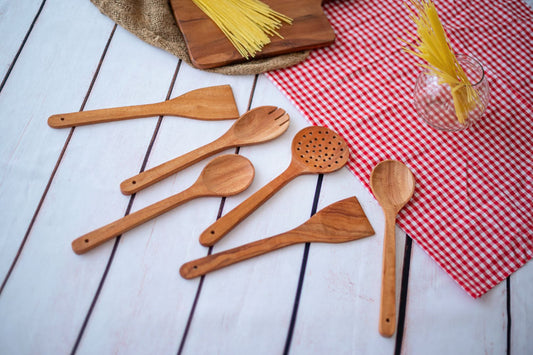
{"type": "Point", "coordinates": [210, 103]}
{"type": "Point", "coordinates": [340, 222]}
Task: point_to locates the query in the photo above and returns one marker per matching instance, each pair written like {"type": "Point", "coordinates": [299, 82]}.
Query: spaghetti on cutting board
{"type": "Point", "coordinates": [246, 23]}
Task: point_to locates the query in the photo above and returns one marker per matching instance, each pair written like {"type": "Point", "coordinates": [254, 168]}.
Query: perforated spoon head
{"type": "Point", "coordinates": [319, 150]}
{"type": "Point", "coordinates": [393, 184]}
{"type": "Point", "coordinates": [226, 175]}
{"type": "Point", "coordinates": [260, 124]}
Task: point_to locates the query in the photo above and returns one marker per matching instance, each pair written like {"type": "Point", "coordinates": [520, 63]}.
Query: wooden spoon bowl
{"type": "Point", "coordinates": [226, 175]}
{"type": "Point", "coordinates": [393, 184]}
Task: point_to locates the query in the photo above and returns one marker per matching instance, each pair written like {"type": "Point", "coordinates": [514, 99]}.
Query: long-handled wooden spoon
{"type": "Point", "coordinates": [210, 103]}
{"type": "Point", "coordinates": [223, 176]}
{"type": "Point", "coordinates": [315, 150]}
{"type": "Point", "coordinates": [393, 184]}
{"type": "Point", "coordinates": [340, 222]}
{"type": "Point", "coordinates": [259, 125]}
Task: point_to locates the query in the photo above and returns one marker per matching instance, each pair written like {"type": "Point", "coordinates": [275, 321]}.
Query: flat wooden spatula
{"type": "Point", "coordinates": [340, 222]}
{"type": "Point", "coordinates": [210, 103]}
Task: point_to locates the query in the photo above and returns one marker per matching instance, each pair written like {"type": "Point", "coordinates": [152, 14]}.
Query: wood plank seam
{"type": "Point", "coordinates": [303, 266]}
{"type": "Point", "coordinates": [195, 301]}
{"type": "Point", "coordinates": [159, 121]}
{"type": "Point", "coordinates": [402, 308]}
{"type": "Point", "coordinates": [210, 250]}
{"type": "Point", "coordinates": [100, 286]}
{"type": "Point", "coordinates": [252, 93]}
{"type": "Point", "coordinates": [508, 306]}
{"type": "Point", "coordinates": [58, 162]}
{"type": "Point", "coordinates": [128, 209]}
{"type": "Point", "coordinates": [23, 43]}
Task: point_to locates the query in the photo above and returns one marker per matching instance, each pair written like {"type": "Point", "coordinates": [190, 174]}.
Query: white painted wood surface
{"type": "Point", "coordinates": [143, 306]}
{"type": "Point", "coordinates": [16, 18]}
{"type": "Point", "coordinates": [46, 78]}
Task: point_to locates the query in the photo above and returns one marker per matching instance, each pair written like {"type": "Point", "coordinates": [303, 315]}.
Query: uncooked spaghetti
{"type": "Point", "coordinates": [246, 23]}
{"type": "Point", "coordinates": [434, 48]}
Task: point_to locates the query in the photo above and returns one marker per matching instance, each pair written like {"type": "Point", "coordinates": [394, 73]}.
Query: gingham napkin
{"type": "Point", "coordinates": [472, 209]}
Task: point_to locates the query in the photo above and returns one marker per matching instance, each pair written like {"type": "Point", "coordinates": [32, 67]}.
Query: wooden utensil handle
{"type": "Point", "coordinates": [387, 313]}
{"type": "Point", "coordinates": [217, 261]}
{"type": "Point", "coordinates": [106, 115]}
{"type": "Point", "coordinates": [93, 239]}
{"type": "Point", "coordinates": [158, 173]}
{"type": "Point", "coordinates": [223, 225]}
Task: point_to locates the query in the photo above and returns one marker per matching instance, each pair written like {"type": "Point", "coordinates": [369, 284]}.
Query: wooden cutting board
{"type": "Point", "coordinates": [209, 48]}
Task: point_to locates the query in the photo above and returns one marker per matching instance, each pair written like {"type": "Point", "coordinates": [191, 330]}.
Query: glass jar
{"type": "Point", "coordinates": [434, 102]}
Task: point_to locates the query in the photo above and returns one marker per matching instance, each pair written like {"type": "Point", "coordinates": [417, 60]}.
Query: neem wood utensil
{"type": "Point", "coordinates": [340, 222]}
{"type": "Point", "coordinates": [209, 48]}
{"type": "Point", "coordinates": [210, 103]}
{"type": "Point", "coordinates": [393, 184]}
{"type": "Point", "coordinates": [315, 150]}
{"type": "Point", "coordinates": [225, 175]}
{"type": "Point", "coordinates": [259, 125]}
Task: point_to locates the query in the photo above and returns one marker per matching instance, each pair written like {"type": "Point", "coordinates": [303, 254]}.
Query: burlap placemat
{"type": "Point", "coordinates": [153, 22]}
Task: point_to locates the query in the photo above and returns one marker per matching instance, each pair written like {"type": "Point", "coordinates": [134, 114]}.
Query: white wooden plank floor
{"type": "Point", "coordinates": [126, 296]}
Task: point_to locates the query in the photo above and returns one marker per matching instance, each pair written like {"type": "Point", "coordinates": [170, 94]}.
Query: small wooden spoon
{"type": "Point", "coordinates": [393, 184]}
{"type": "Point", "coordinates": [315, 150]}
{"type": "Point", "coordinates": [210, 103]}
{"type": "Point", "coordinates": [225, 175]}
{"type": "Point", "coordinates": [259, 125]}
{"type": "Point", "coordinates": [340, 222]}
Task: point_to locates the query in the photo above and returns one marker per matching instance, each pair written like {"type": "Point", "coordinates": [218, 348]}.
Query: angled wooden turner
{"type": "Point", "coordinates": [210, 103]}
{"type": "Point", "coordinates": [342, 221]}
{"type": "Point", "coordinates": [315, 150]}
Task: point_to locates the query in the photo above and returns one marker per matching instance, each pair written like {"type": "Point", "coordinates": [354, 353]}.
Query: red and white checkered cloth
{"type": "Point", "coordinates": [472, 209]}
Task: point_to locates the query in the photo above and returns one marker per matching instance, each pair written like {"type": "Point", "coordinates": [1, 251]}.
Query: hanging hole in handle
{"type": "Point", "coordinates": [133, 182]}
{"type": "Point", "coordinates": [212, 232]}
{"type": "Point", "coordinates": [387, 320]}
{"type": "Point", "coordinates": [86, 240]}
{"type": "Point", "coordinates": [196, 267]}
{"type": "Point", "coordinates": [62, 118]}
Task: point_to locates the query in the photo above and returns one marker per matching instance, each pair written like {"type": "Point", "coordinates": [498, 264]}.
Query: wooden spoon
{"type": "Point", "coordinates": [314, 150]}
{"type": "Point", "coordinates": [211, 103]}
{"type": "Point", "coordinates": [259, 125]}
{"type": "Point", "coordinates": [225, 175]}
{"type": "Point", "coordinates": [340, 222]}
{"type": "Point", "coordinates": [393, 184]}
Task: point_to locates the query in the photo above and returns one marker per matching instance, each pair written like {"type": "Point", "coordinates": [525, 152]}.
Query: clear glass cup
{"type": "Point", "coordinates": [434, 103]}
